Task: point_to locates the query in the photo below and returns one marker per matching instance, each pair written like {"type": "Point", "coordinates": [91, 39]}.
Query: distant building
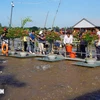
{"type": "Point", "coordinates": [85, 24]}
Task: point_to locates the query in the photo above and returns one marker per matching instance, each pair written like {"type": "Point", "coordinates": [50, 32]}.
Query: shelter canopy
{"type": "Point", "coordinates": [84, 24]}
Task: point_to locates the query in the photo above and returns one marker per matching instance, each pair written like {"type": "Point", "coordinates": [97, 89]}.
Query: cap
{"type": "Point", "coordinates": [40, 32]}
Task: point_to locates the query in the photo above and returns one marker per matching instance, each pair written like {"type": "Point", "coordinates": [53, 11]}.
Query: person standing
{"type": "Point", "coordinates": [68, 39]}
{"type": "Point", "coordinates": [4, 37]}
{"type": "Point", "coordinates": [97, 44]}
{"type": "Point", "coordinates": [4, 41]}
{"type": "Point", "coordinates": [83, 45]}
{"type": "Point", "coordinates": [25, 42]}
{"type": "Point", "coordinates": [32, 41]}
{"type": "Point", "coordinates": [41, 39]}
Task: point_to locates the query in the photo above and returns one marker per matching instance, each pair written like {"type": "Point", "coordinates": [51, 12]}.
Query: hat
{"type": "Point", "coordinates": [40, 32]}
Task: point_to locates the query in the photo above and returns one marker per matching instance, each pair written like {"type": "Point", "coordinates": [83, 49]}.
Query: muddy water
{"type": "Point", "coordinates": [25, 79]}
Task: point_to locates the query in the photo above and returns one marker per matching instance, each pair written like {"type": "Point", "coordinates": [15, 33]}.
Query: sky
{"type": "Point", "coordinates": [69, 12]}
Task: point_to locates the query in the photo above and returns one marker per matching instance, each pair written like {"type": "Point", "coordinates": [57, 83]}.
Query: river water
{"type": "Point", "coordinates": [30, 79]}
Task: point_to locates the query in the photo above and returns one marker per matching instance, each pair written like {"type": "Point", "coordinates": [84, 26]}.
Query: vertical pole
{"type": "Point", "coordinates": [46, 20]}
{"type": "Point", "coordinates": [56, 14]}
{"type": "Point", "coordinates": [12, 5]}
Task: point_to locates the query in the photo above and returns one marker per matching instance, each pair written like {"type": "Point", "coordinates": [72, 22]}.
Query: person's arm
{"type": "Point", "coordinates": [1, 37]}
{"type": "Point", "coordinates": [71, 39]}
{"type": "Point", "coordinates": [64, 41]}
{"type": "Point", "coordinates": [31, 40]}
{"type": "Point", "coordinates": [43, 38]}
{"type": "Point", "coordinates": [37, 36]}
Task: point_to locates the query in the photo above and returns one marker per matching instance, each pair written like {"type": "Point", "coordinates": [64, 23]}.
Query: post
{"type": "Point", "coordinates": [56, 14]}
{"type": "Point", "coordinates": [46, 20]}
{"type": "Point", "coordinates": [12, 5]}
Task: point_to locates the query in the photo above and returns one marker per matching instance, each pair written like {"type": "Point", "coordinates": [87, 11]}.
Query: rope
{"type": "Point", "coordinates": [56, 13]}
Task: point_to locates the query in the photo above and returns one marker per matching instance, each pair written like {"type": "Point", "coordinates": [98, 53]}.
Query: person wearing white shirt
{"type": "Point", "coordinates": [68, 38]}
{"type": "Point", "coordinates": [98, 32]}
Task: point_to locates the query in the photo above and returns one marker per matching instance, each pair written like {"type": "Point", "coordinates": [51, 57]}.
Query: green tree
{"type": "Point", "coordinates": [24, 21]}
{"type": "Point", "coordinates": [1, 30]}
{"type": "Point", "coordinates": [16, 33]}
{"type": "Point", "coordinates": [34, 28]}
{"type": "Point", "coordinates": [57, 29]}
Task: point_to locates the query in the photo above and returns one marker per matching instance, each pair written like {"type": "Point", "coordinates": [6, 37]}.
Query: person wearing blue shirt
{"type": "Point", "coordinates": [32, 41]}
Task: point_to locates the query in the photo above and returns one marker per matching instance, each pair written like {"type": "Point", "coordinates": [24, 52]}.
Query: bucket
{"type": "Point", "coordinates": [68, 48]}
{"type": "Point", "coordinates": [72, 55]}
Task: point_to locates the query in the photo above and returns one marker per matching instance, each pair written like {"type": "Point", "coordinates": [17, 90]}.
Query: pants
{"type": "Point", "coordinates": [98, 52]}
{"type": "Point", "coordinates": [32, 46]}
{"type": "Point", "coordinates": [83, 51]}
{"type": "Point", "coordinates": [41, 47]}
{"type": "Point", "coordinates": [25, 46]}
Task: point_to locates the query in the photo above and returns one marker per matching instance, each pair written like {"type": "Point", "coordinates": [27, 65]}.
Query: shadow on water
{"type": "Point", "coordinates": [10, 80]}
{"type": "Point", "coordinates": [2, 61]}
{"type": "Point", "coordinates": [1, 68]}
{"type": "Point", "coordinates": [89, 96]}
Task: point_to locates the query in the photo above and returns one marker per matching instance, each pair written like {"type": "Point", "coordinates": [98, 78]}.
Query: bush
{"type": "Point", "coordinates": [16, 33]}
{"type": "Point", "coordinates": [52, 36]}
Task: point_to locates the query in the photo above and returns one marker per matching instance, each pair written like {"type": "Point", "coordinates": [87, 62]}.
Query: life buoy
{"type": "Point", "coordinates": [5, 48]}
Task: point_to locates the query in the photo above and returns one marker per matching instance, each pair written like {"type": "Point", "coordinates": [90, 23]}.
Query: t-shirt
{"type": "Point", "coordinates": [4, 36]}
{"type": "Point", "coordinates": [68, 40]}
{"type": "Point", "coordinates": [25, 38]}
{"type": "Point", "coordinates": [98, 43]}
{"type": "Point", "coordinates": [98, 33]}
{"type": "Point", "coordinates": [32, 36]}
{"type": "Point", "coordinates": [41, 40]}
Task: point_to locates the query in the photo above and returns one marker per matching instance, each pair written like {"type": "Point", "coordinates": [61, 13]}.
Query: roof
{"type": "Point", "coordinates": [84, 23]}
